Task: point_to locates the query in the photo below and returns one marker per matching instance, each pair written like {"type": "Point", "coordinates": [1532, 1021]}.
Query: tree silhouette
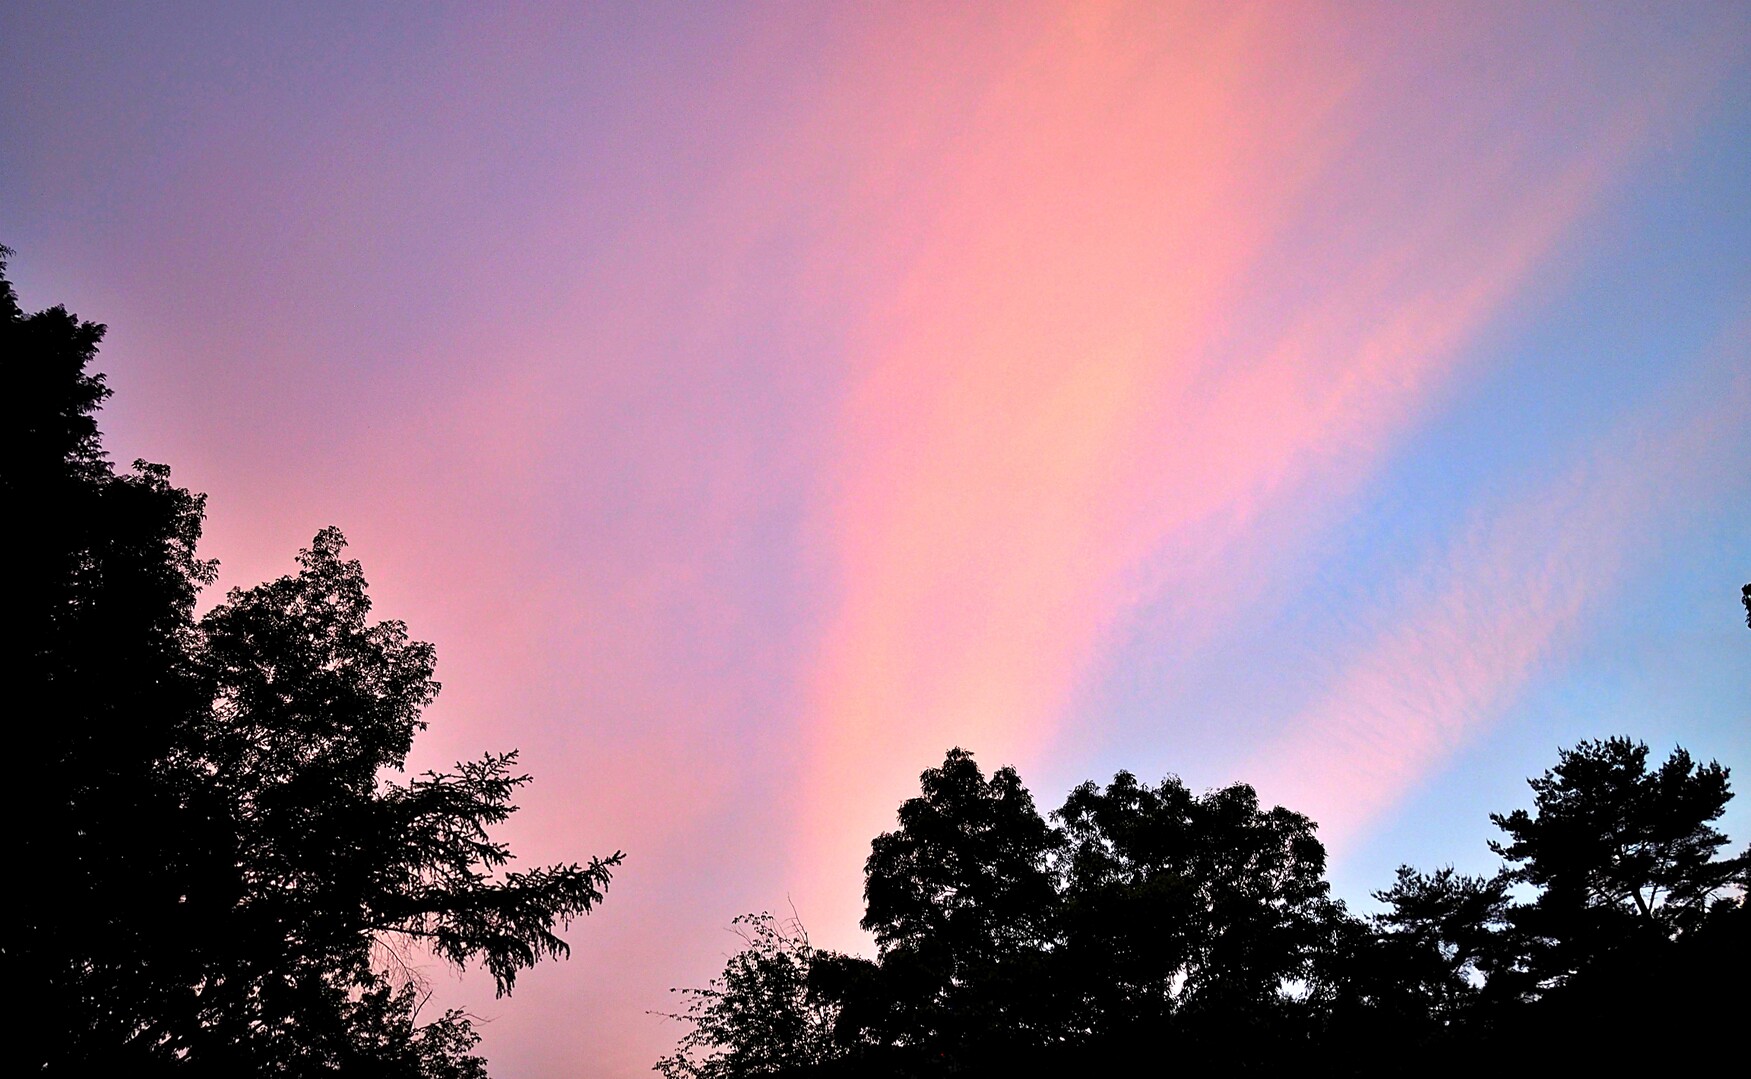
{"type": "Point", "coordinates": [101, 606]}
{"type": "Point", "coordinates": [1630, 894]}
{"type": "Point", "coordinates": [1412, 980]}
{"type": "Point", "coordinates": [961, 901]}
{"type": "Point", "coordinates": [1448, 928]}
{"type": "Point", "coordinates": [1611, 837]}
{"type": "Point", "coordinates": [760, 1017]}
{"type": "Point", "coordinates": [1195, 912]}
{"type": "Point", "coordinates": [1623, 858]}
{"type": "Point", "coordinates": [1158, 924]}
{"type": "Point", "coordinates": [219, 859]}
{"type": "Point", "coordinates": [311, 704]}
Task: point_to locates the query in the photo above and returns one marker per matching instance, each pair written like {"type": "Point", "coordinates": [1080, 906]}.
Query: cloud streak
{"type": "Point", "coordinates": [1069, 406]}
{"type": "Point", "coordinates": [1472, 627]}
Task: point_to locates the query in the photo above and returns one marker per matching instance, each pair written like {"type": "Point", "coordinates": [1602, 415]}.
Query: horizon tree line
{"type": "Point", "coordinates": [1140, 923]}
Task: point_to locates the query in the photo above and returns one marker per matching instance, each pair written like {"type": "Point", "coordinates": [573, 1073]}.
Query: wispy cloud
{"type": "Point", "coordinates": [1069, 407]}
{"type": "Point", "coordinates": [1470, 629]}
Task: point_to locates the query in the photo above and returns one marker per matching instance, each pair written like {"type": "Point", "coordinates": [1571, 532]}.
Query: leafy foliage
{"type": "Point", "coordinates": [1192, 895]}
{"type": "Point", "coordinates": [966, 873]}
{"type": "Point", "coordinates": [101, 603]}
{"type": "Point", "coordinates": [311, 704]}
{"type": "Point", "coordinates": [1421, 969]}
{"type": "Point", "coordinates": [760, 1017]}
{"type": "Point", "coordinates": [1451, 919]}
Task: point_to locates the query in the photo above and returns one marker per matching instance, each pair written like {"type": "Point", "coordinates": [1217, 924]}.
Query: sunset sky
{"type": "Point", "coordinates": [753, 401]}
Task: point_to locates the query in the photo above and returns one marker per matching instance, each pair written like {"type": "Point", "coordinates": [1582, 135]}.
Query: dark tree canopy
{"type": "Point", "coordinates": [1447, 924]}
{"type": "Point", "coordinates": [1607, 834]}
{"type": "Point", "coordinates": [1178, 907]}
{"type": "Point", "coordinates": [966, 874]}
{"type": "Point", "coordinates": [311, 703]}
{"type": "Point", "coordinates": [1624, 861]}
{"type": "Point", "coordinates": [219, 863]}
{"type": "Point", "coordinates": [1158, 925]}
{"type": "Point", "coordinates": [1151, 913]}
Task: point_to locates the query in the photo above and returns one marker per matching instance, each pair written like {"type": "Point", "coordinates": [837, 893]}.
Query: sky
{"type": "Point", "coordinates": [753, 401]}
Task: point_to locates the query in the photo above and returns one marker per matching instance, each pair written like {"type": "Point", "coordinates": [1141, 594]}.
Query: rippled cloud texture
{"type": "Point", "coordinates": [751, 402]}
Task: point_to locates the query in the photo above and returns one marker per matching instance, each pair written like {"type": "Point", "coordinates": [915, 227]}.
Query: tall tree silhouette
{"type": "Point", "coordinates": [961, 901]}
{"type": "Point", "coordinates": [218, 857]}
{"type": "Point", "coordinates": [101, 606]}
{"type": "Point", "coordinates": [311, 702]}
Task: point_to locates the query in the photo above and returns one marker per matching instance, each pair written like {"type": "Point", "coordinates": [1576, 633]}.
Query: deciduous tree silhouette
{"type": "Point", "coordinates": [961, 901]}
{"type": "Point", "coordinates": [1199, 911]}
{"type": "Point", "coordinates": [215, 848]}
{"type": "Point", "coordinates": [761, 1017]}
{"type": "Point", "coordinates": [311, 704]}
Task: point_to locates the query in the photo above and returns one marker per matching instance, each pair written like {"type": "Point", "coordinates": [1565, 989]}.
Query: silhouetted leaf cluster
{"type": "Point", "coordinates": [218, 871]}
{"type": "Point", "coordinates": [758, 1018]}
{"type": "Point", "coordinates": [1150, 923]}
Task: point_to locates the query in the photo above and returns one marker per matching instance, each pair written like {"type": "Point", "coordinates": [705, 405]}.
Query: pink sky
{"type": "Point", "coordinates": [752, 402]}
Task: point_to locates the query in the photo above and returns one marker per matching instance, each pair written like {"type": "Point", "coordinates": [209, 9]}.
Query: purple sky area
{"type": "Point", "coordinates": [753, 401]}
